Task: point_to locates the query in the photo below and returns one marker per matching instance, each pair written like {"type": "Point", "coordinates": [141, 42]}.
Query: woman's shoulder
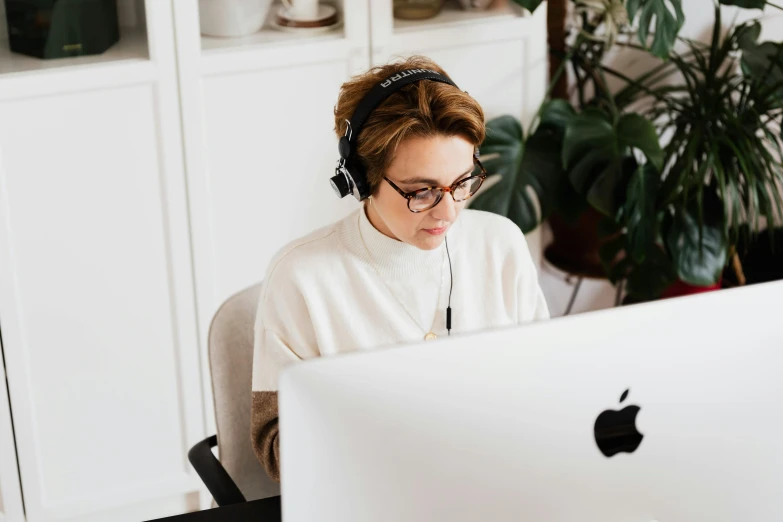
{"type": "Point", "coordinates": [311, 252]}
{"type": "Point", "coordinates": [296, 269]}
{"type": "Point", "coordinates": [320, 246]}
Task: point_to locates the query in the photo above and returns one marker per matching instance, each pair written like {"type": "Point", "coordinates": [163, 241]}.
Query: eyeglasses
{"type": "Point", "coordinates": [427, 197]}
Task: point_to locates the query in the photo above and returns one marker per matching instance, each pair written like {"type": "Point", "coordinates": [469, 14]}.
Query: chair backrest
{"type": "Point", "coordinates": [231, 367]}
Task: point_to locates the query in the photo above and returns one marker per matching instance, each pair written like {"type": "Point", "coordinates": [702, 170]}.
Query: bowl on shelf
{"type": "Point", "coordinates": [327, 20]}
{"type": "Point", "coordinates": [475, 5]}
{"type": "Point", "coordinates": [232, 18]}
{"type": "Point", "coordinates": [416, 9]}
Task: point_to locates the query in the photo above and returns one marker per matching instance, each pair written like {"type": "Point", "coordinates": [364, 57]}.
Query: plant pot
{"type": "Point", "coordinates": [575, 246]}
{"type": "Point", "coordinates": [760, 257]}
{"type": "Point", "coordinates": [680, 288]}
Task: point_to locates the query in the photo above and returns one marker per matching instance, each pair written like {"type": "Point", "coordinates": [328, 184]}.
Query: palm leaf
{"type": "Point", "coordinates": [640, 211]}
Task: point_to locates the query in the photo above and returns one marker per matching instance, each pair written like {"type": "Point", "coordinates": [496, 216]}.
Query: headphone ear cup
{"type": "Point", "coordinates": [363, 188]}
{"type": "Point", "coordinates": [359, 178]}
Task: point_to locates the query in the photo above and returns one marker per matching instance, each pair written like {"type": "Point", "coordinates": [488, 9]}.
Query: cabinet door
{"type": "Point", "coordinates": [11, 507]}
{"type": "Point", "coordinates": [97, 305]}
{"type": "Point", "coordinates": [259, 143]}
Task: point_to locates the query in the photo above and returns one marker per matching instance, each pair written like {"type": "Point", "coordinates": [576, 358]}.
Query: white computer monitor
{"type": "Point", "coordinates": [502, 425]}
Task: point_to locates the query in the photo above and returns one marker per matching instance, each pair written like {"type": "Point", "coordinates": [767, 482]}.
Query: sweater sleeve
{"type": "Point", "coordinates": [270, 355]}
{"type": "Point", "coordinates": [540, 308]}
{"type": "Point", "coordinates": [284, 335]}
{"type": "Point", "coordinates": [531, 304]}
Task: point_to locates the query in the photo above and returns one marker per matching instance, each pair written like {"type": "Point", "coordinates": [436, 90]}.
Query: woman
{"type": "Point", "coordinates": [392, 271]}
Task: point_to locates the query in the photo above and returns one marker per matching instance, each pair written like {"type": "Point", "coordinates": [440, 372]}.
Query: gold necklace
{"type": "Point", "coordinates": [430, 335]}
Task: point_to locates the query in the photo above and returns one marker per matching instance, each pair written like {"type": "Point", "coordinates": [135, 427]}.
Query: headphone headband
{"type": "Point", "coordinates": [385, 89]}
{"type": "Point", "coordinates": [349, 177]}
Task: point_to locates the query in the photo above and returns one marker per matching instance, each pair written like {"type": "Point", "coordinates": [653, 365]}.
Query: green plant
{"type": "Point", "coordinates": [677, 159]}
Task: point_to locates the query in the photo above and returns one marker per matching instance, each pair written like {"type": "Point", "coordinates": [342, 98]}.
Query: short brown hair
{"type": "Point", "coordinates": [420, 109]}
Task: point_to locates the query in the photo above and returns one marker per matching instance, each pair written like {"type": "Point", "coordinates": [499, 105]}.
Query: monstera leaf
{"type": "Point", "coordinates": [530, 5]}
{"type": "Point", "coordinates": [698, 246]}
{"type": "Point", "coordinates": [650, 278]}
{"type": "Point", "coordinates": [746, 4]}
{"type": "Point", "coordinates": [762, 63]}
{"type": "Point", "coordinates": [668, 17]}
{"type": "Point", "coordinates": [748, 34]}
{"type": "Point", "coordinates": [598, 154]}
{"type": "Point", "coordinates": [526, 169]}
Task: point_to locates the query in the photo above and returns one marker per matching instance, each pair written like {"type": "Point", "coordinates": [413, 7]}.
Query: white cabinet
{"type": "Point", "coordinates": [139, 189]}
{"type": "Point", "coordinates": [259, 146]}
{"type": "Point", "coordinates": [96, 308]}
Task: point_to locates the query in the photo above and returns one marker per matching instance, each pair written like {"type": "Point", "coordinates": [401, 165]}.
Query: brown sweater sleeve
{"type": "Point", "coordinates": [265, 433]}
{"type": "Point", "coordinates": [270, 356]}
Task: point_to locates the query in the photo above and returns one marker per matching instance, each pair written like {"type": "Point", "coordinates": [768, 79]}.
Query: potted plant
{"type": "Point", "coordinates": [670, 165]}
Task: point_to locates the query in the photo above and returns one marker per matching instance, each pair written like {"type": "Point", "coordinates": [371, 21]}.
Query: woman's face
{"type": "Point", "coordinates": [419, 163]}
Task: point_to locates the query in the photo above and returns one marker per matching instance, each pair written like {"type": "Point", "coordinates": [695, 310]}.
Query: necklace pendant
{"type": "Point", "coordinates": [430, 336]}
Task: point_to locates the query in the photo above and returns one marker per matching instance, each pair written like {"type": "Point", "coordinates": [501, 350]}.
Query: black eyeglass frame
{"type": "Point", "coordinates": [442, 190]}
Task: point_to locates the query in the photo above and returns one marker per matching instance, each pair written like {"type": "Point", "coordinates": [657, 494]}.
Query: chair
{"type": "Point", "coordinates": [237, 476]}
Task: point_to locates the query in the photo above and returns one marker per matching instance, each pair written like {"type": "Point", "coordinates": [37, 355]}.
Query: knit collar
{"type": "Point", "coordinates": [392, 257]}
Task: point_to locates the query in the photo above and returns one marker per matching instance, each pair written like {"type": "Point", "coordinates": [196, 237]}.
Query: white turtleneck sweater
{"type": "Point", "coordinates": [348, 287]}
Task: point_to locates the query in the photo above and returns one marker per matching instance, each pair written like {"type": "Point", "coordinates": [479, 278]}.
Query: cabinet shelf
{"type": "Point", "coordinates": [271, 47]}
{"type": "Point", "coordinates": [126, 63]}
{"type": "Point", "coordinates": [452, 15]}
{"type": "Point", "coordinates": [132, 46]}
{"type": "Point", "coordinates": [266, 37]}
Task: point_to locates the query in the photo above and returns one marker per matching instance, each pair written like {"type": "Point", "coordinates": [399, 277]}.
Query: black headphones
{"type": "Point", "coordinates": [349, 176]}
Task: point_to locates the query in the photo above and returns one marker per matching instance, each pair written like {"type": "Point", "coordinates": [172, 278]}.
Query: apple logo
{"type": "Point", "coordinates": [615, 431]}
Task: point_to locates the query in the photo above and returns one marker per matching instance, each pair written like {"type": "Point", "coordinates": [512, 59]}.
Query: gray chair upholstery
{"type": "Point", "coordinates": [231, 368]}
